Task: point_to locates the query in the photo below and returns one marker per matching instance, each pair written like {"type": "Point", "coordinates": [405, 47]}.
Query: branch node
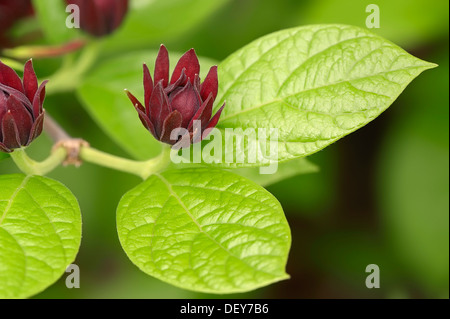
{"type": "Point", "coordinates": [73, 147]}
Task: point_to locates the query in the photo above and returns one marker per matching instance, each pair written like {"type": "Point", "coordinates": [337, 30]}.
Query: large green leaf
{"type": "Point", "coordinates": [205, 230]}
{"type": "Point", "coordinates": [103, 96]}
{"type": "Point", "coordinates": [40, 233]}
{"type": "Point", "coordinates": [284, 171]}
{"type": "Point", "coordinates": [315, 84]}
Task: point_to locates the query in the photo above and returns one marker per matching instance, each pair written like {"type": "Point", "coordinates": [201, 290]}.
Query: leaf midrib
{"type": "Point", "coordinates": [13, 197]}
{"type": "Point", "coordinates": [175, 195]}
{"type": "Point", "coordinates": [281, 99]}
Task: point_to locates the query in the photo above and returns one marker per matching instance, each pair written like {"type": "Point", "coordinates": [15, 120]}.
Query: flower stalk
{"type": "Point", "coordinates": [142, 169]}
{"type": "Point", "coordinates": [31, 167]}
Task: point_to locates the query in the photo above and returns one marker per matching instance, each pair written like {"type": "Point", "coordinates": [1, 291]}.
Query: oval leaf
{"type": "Point", "coordinates": [315, 84]}
{"type": "Point", "coordinates": [40, 233]}
{"type": "Point", "coordinates": [205, 230]}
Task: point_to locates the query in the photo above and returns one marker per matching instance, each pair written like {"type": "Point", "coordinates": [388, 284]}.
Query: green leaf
{"type": "Point", "coordinates": [103, 97]}
{"type": "Point", "coordinates": [315, 84]}
{"type": "Point", "coordinates": [52, 17]}
{"type": "Point", "coordinates": [40, 233]}
{"type": "Point", "coordinates": [285, 170]}
{"type": "Point", "coordinates": [151, 22]}
{"type": "Point", "coordinates": [205, 230]}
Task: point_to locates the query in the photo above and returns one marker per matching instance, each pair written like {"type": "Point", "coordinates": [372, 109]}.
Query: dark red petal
{"type": "Point", "coordinates": [120, 11]}
{"type": "Point", "coordinates": [30, 82]}
{"type": "Point", "coordinates": [159, 108]}
{"type": "Point", "coordinates": [148, 85]}
{"type": "Point", "coordinates": [172, 122]}
{"type": "Point", "coordinates": [22, 118]}
{"type": "Point", "coordinates": [39, 99]}
{"type": "Point", "coordinates": [188, 61]}
{"type": "Point", "coordinates": [146, 122]}
{"type": "Point", "coordinates": [36, 129]}
{"type": "Point", "coordinates": [210, 85]}
{"type": "Point", "coordinates": [181, 82]}
{"type": "Point", "coordinates": [213, 122]}
{"type": "Point", "coordinates": [10, 78]}
{"type": "Point", "coordinates": [10, 133]}
{"type": "Point", "coordinates": [3, 148]}
{"type": "Point", "coordinates": [135, 101]}
{"type": "Point", "coordinates": [187, 102]}
{"type": "Point", "coordinates": [203, 114]}
{"type": "Point", "coordinates": [162, 66]}
{"type": "Point", "coordinates": [197, 82]}
{"type": "Point", "coordinates": [19, 95]}
{"type": "Point", "coordinates": [90, 18]}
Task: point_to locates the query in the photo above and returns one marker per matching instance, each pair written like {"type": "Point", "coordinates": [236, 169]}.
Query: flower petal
{"type": "Point", "coordinates": [30, 82]}
{"type": "Point", "coordinates": [10, 133]}
{"type": "Point", "coordinates": [148, 85]}
{"type": "Point", "coordinates": [135, 101]}
{"type": "Point", "coordinates": [120, 10]}
{"type": "Point", "coordinates": [10, 78]}
{"type": "Point", "coordinates": [187, 102]}
{"type": "Point", "coordinates": [146, 122]}
{"type": "Point", "coordinates": [39, 100]}
{"type": "Point", "coordinates": [188, 61]}
{"type": "Point", "coordinates": [159, 108]}
{"type": "Point", "coordinates": [212, 124]}
{"type": "Point", "coordinates": [210, 85]}
{"type": "Point", "coordinates": [19, 95]}
{"type": "Point", "coordinates": [36, 129]}
{"type": "Point", "coordinates": [162, 66]}
{"type": "Point", "coordinates": [172, 122]}
{"type": "Point", "coordinates": [22, 118]}
{"type": "Point", "coordinates": [3, 148]}
{"type": "Point", "coordinates": [203, 114]}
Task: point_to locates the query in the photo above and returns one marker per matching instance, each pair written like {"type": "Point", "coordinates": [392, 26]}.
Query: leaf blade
{"type": "Point", "coordinates": [315, 84]}
{"type": "Point", "coordinates": [40, 233]}
{"type": "Point", "coordinates": [170, 233]}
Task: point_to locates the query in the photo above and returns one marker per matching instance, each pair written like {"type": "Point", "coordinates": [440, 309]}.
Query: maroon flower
{"type": "Point", "coordinates": [10, 12]}
{"type": "Point", "coordinates": [101, 17]}
{"type": "Point", "coordinates": [21, 113]}
{"type": "Point", "coordinates": [180, 102]}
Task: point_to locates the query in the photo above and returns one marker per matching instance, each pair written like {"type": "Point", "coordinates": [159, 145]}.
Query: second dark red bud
{"type": "Point", "coordinates": [101, 17]}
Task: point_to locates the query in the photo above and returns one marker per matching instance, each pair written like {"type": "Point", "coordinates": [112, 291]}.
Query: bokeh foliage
{"type": "Point", "coordinates": [381, 195]}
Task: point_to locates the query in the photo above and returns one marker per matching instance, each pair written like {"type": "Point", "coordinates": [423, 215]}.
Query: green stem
{"type": "Point", "coordinates": [31, 167]}
{"type": "Point", "coordinates": [70, 75]}
{"type": "Point", "coordinates": [142, 169]}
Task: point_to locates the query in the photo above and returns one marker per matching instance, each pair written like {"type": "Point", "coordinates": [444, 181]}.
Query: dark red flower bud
{"type": "Point", "coordinates": [21, 113]}
{"type": "Point", "coordinates": [101, 17]}
{"type": "Point", "coordinates": [10, 12]}
{"type": "Point", "coordinates": [179, 101]}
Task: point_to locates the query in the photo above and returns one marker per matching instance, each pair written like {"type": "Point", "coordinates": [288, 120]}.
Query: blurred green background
{"type": "Point", "coordinates": [381, 197]}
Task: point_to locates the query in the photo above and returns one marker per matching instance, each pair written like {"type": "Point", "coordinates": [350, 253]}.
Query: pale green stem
{"type": "Point", "coordinates": [31, 167]}
{"type": "Point", "coordinates": [142, 169]}
{"type": "Point", "coordinates": [71, 74]}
